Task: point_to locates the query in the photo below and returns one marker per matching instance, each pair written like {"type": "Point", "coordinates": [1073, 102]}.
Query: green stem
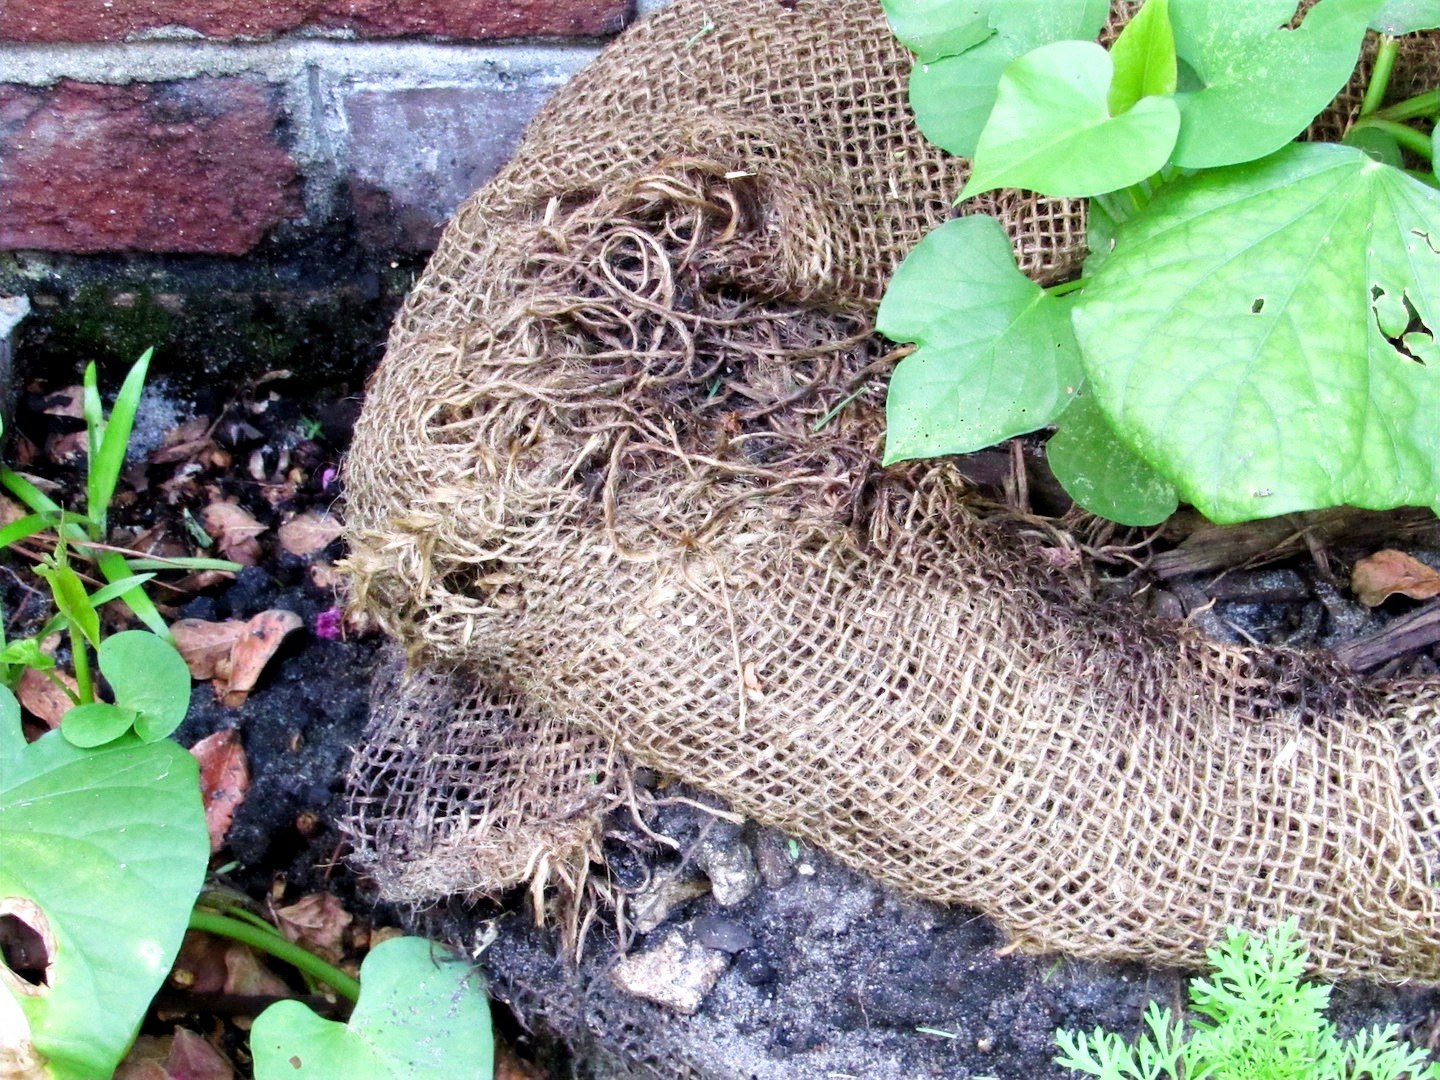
{"type": "Point", "coordinates": [84, 685]}
{"type": "Point", "coordinates": [278, 947]}
{"type": "Point", "coordinates": [1426, 104]}
{"type": "Point", "coordinates": [1065, 288]}
{"type": "Point", "coordinates": [1416, 142]}
{"type": "Point", "coordinates": [1380, 76]}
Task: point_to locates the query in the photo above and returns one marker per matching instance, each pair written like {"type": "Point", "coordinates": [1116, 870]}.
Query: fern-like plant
{"type": "Point", "coordinates": [1253, 1019]}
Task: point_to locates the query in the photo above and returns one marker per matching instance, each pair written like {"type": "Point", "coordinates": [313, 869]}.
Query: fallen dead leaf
{"type": "Point", "coordinates": [245, 974]}
{"type": "Point", "coordinates": [200, 968]}
{"type": "Point", "coordinates": [253, 650]}
{"type": "Point", "coordinates": [182, 1056]}
{"type": "Point", "coordinates": [204, 645]}
{"type": "Point", "coordinates": [1378, 577]}
{"type": "Point", "coordinates": [68, 449]}
{"type": "Point", "coordinates": [235, 531]}
{"type": "Point", "coordinates": [308, 533]}
{"type": "Point", "coordinates": [42, 698]}
{"type": "Point", "coordinates": [510, 1067]}
{"type": "Point", "coordinates": [67, 401]}
{"type": "Point", "coordinates": [224, 780]}
{"type": "Point", "coordinates": [316, 922]}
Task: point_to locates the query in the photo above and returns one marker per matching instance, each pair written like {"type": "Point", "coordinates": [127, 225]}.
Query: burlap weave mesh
{"type": "Point", "coordinates": [616, 488]}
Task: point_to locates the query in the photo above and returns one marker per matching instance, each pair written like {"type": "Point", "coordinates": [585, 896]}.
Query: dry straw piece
{"type": "Point", "coordinates": [616, 488]}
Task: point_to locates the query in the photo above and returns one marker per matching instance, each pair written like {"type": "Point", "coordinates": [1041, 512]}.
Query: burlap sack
{"type": "Point", "coordinates": [616, 488]}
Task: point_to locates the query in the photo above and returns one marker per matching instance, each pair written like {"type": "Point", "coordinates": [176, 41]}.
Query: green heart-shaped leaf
{"type": "Point", "coordinates": [1260, 84]}
{"type": "Point", "coordinates": [422, 1015]}
{"type": "Point", "coordinates": [951, 95]}
{"type": "Point", "coordinates": [148, 675]}
{"type": "Point", "coordinates": [1051, 130]}
{"type": "Point", "coordinates": [1101, 473]}
{"type": "Point", "coordinates": [1265, 335]}
{"type": "Point", "coordinates": [105, 850]}
{"type": "Point", "coordinates": [96, 723]}
{"type": "Point", "coordinates": [997, 356]}
{"type": "Point", "coordinates": [1144, 56]}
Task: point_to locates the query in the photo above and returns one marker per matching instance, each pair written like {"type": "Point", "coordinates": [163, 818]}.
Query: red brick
{"type": "Point", "coordinates": [115, 20]}
{"type": "Point", "coordinates": [193, 166]}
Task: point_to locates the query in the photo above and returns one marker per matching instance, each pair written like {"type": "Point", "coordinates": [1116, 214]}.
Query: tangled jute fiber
{"type": "Point", "coordinates": [616, 488]}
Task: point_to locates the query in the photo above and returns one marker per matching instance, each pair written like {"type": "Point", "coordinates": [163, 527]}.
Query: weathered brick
{"type": "Point", "coordinates": [415, 153]}
{"type": "Point", "coordinates": [190, 166]}
{"type": "Point", "coordinates": [116, 20]}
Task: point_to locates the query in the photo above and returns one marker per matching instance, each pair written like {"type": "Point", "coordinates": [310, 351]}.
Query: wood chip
{"type": "Point", "coordinates": [1387, 573]}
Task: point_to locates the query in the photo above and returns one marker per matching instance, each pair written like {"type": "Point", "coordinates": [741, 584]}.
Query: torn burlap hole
{"type": "Point", "coordinates": [616, 490]}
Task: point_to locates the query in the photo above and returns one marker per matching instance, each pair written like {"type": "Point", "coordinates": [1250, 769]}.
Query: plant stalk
{"type": "Point", "coordinates": [1065, 288]}
{"type": "Point", "coordinates": [1426, 104]}
{"type": "Point", "coordinates": [275, 945]}
{"type": "Point", "coordinates": [84, 685]}
{"type": "Point", "coordinates": [1380, 76]}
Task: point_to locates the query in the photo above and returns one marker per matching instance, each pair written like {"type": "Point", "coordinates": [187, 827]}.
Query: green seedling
{"type": "Point", "coordinates": [1253, 1018]}
{"type": "Point", "coordinates": [105, 851]}
{"type": "Point", "coordinates": [151, 685]}
{"type": "Point", "coordinates": [422, 1015]}
{"type": "Point", "coordinates": [107, 439]}
{"type": "Point", "coordinates": [1255, 328]}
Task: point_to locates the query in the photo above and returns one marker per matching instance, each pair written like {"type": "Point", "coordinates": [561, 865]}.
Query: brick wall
{"type": "Point", "coordinates": [137, 134]}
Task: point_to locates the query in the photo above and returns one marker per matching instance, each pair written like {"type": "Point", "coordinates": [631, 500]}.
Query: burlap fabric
{"type": "Point", "coordinates": [616, 488]}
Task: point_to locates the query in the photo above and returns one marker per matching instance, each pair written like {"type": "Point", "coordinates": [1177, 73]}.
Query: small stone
{"type": "Point", "coordinates": [730, 867]}
{"type": "Point", "coordinates": [725, 935]}
{"type": "Point", "coordinates": [665, 892]}
{"type": "Point", "coordinates": [773, 858]}
{"type": "Point", "coordinates": [676, 974]}
{"type": "Point", "coordinates": [755, 968]}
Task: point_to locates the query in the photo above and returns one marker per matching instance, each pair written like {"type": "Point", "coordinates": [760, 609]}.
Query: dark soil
{"type": "Point", "coordinates": [827, 975]}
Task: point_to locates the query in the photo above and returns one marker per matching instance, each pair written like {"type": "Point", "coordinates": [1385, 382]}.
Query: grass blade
{"type": "Point", "coordinates": [22, 529]}
{"type": "Point", "coordinates": [118, 589]}
{"type": "Point", "coordinates": [27, 492]}
{"type": "Point", "coordinates": [115, 568]}
{"type": "Point", "coordinates": [114, 437]}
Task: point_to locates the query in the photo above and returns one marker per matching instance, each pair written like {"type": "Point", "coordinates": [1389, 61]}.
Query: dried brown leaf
{"type": "Point", "coordinates": [235, 531]}
{"type": "Point", "coordinates": [67, 401]}
{"type": "Point", "coordinates": [263, 635]}
{"type": "Point", "coordinates": [308, 533]}
{"type": "Point", "coordinates": [200, 967]}
{"type": "Point", "coordinates": [205, 644]}
{"type": "Point", "coordinates": [245, 974]}
{"type": "Point", "coordinates": [182, 1056]}
{"type": "Point", "coordinates": [224, 780]}
{"type": "Point", "coordinates": [1378, 577]}
{"type": "Point", "coordinates": [316, 922]}
{"type": "Point", "coordinates": [42, 698]}
{"type": "Point", "coordinates": [323, 575]}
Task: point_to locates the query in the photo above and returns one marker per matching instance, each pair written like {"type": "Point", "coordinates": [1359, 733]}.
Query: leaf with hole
{"type": "Point", "coordinates": [1255, 84]}
{"type": "Point", "coordinates": [952, 95]}
{"type": "Point", "coordinates": [1264, 336]}
{"type": "Point", "coordinates": [105, 852]}
{"type": "Point", "coordinates": [996, 356]}
{"type": "Point", "coordinates": [1052, 131]}
{"type": "Point", "coordinates": [422, 1014]}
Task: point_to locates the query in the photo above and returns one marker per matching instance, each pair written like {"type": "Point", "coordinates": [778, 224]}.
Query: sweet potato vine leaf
{"type": "Point", "coordinates": [422, 1015]}
{"type": "Point", "coordinates": [1406, 16]}
{"type": "Point", "coordinates": [104, 853]}
{"type": "Point", "coordinates": [996, 356]}
{"type": "Point", "coordinates": [1264, 336]}
{"type": "Point", "coordinates": [1144, 56]}
{"type": "Point", "coordinates": [1052, 130]}
{"type": "Point", "coordinates": [951, 89]}
{"type": "Point", "coordinates": [1101, 473]}
{"type": "Point", "coordinates": [1253, 85]}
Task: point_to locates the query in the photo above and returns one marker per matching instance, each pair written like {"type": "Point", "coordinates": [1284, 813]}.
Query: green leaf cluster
{"type": "Point", "coordinates": [1256, 328]}
{"type": "Point", "coordinates": [1254, 1018]}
